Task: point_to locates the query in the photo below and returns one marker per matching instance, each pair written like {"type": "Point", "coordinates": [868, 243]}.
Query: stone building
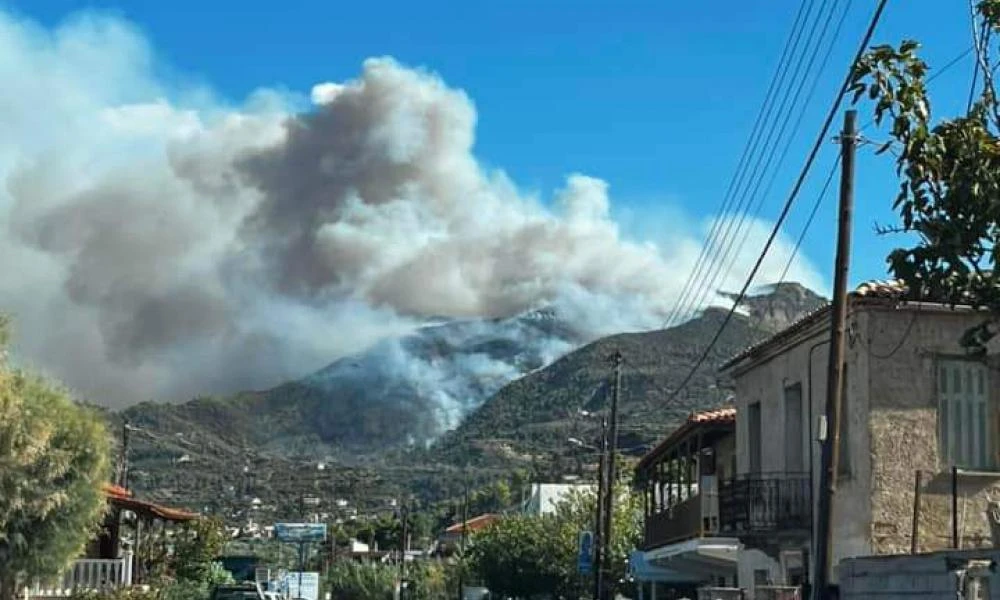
{"type": "Point", "coordinates": [914, 400]}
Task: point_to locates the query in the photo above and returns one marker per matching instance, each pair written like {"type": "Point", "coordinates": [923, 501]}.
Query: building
{"type": "Point", "coordinates": [130, 540]}
{"type": "Point", "coordinates": [682, 547]}
{"type": "Point", "coordinates": [451, 539]}
{"type": "Point", "coordinates": [545, 497]}
{"type": "Point", "coordinates": [914, 402]}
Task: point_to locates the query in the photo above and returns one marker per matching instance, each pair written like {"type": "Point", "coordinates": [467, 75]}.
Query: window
{"type": "Point", "coordinates": [963, 415]}
{"type": "Point", "coordinates": [794, 462]}
{"type": "Point", "coordinates": [753, 437]}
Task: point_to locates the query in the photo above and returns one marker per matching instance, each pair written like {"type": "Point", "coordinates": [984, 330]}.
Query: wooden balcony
{"type": "Point", "coordinates": [680, 522]}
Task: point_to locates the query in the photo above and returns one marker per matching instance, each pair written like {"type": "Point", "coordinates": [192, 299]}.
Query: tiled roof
{"type": "Point", "coordinates": [122, 498]}
{"type": "Point", "coordinates": [725, 415]}
{"type": "Point", "coordinates": [881, 289]}
{"type": "Point", "coordinates": [875, 290]}
{"type": "Point", "coordinates": [474, 524]}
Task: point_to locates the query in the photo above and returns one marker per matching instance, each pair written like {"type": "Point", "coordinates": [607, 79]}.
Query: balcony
{"type": "Point", "coordinates": [765, 503]}
{"type": "Point", "coordinates": [680, 522]}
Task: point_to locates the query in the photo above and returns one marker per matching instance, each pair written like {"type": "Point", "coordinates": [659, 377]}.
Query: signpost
{"type": "Point", "coordinates": [302, 585]}
{"type": "Point", "coordinates": [585, 553]}
{"type": "Point", "coordinates": [301, 534]}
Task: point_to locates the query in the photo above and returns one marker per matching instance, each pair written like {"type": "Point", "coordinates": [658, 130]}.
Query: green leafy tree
{"type": "Point", "coordinates": [54, 459]}
{"type": "Point", "coordinates": [949, 169]}
{"type": "Point", "coordinates": [195, 551]}
{"type": "Point", "coordinates": [543, 550]}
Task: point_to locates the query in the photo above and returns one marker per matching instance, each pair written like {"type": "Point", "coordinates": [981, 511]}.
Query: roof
{"type": "Point", "coordinates": [122, 498]}
{"type": "Point", "coordinates": [891, 292]}
{"type": "Point", "coordinates": [474, 524]}
{"type": "Point", "coordinates": [722, 416]}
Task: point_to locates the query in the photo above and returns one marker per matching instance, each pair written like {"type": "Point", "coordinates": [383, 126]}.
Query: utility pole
{"type": "Point", "coordinates": [609, 494]}
{"type": "Point", "coordinates": [834, 382]}
{"type": "Point", "coordinates": [123, 473]}
{"type": "Point", "coordinates": [404, 517]}
{"type": "Point", "coordinates": [465, 525]}
{"type": "Point", "coordinates": [599, 525]}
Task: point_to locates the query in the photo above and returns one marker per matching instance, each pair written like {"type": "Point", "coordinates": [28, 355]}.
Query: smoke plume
{"type": "Point", "coordinates": [159, 242]}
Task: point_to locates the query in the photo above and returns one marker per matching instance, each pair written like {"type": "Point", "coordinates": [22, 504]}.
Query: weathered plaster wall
{"type": "Point", "coordinates": [766, 383]}
{"type": "Point", "coordinates": [904, 430]}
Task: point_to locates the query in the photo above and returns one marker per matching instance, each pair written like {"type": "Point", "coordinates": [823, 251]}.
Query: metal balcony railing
{"type": "Point", "coordinates": [765, 503]}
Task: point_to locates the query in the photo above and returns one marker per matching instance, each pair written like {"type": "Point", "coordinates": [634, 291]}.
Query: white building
{"type": "Point", "coordinates": [546, 496]}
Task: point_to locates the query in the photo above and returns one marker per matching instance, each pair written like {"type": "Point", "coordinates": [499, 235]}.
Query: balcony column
{"type": "Point", "coordinates": [688, 463]}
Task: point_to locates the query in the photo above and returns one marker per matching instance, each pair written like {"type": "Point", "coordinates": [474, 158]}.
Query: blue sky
{"type": "Point", "coordinates": [657, 98]}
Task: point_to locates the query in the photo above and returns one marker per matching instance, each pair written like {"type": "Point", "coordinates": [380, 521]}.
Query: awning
{"type": "Point", "coordinates": [691, 561]}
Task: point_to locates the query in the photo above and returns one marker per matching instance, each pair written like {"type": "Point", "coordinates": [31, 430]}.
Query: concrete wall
{"type": "Point", "coordinates": [904, 429]}
{"type": "Point", "coordinates": [766, 383]}
{"type": "Point", "coordinates": [904, 577]}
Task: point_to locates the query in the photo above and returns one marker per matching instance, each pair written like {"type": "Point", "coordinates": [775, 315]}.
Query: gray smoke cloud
{"type": "Point", "coordinates": [160, 243]}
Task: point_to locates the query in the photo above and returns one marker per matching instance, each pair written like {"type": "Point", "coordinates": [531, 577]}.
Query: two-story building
{"type": "Point", "coordinates": [914, 401]}
{"type": "Point", "coordinates": [682, 546]}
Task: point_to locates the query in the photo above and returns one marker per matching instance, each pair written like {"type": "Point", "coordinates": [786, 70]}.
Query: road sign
{"type": "Point", "coordinates": [300, 532]}
{"type": "Point", "coordinates": [309, 589]}
{"type": "Point", "coordinates": [585, 554]}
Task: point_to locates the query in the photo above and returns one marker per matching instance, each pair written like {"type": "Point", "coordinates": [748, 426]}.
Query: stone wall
{"type": "Point", "coordinates": [903, 348]}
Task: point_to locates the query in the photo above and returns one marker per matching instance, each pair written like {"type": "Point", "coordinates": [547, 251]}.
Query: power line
{"type": "Point", "coordinates": [791, 198]}
{"type": "Point", "coordinates": [730, 254]}
{"type": "Point", "coordinates": [733, 227]}
{"type": "Point", "coordinates": [744, 178]}
{"type": "Point", "coordinates": [793, 36]}
{"type": "Point", "coordinates": [805, 229]}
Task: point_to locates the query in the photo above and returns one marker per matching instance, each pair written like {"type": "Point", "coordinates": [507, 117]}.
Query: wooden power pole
{"type": "Point", "coordinates": [835, 369]}
{"type": "Point", "coordinates": [609, 490]}
{"type": "Point", "coordinates": [602, 490]}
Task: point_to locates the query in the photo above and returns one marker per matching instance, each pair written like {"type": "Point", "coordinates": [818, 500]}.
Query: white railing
{"type": "Point", "coordinates": [88, 574]}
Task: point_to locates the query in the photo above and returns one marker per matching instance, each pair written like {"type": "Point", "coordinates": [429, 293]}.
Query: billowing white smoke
{"type": "Point", "coordinates": [158, 243]}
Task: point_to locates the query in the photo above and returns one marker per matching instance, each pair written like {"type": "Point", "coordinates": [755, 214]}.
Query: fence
{"type": "Point", "coordinates": [87, 574]}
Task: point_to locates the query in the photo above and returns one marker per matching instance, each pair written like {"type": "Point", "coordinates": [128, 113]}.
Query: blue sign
{"type": "Point", "coordinates": [585, 555]}
{"type": "Point", "coordinates": [300, 532]}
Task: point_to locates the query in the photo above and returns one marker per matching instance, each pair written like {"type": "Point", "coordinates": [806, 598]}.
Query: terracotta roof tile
{"type": "Point", "coordinates": [725, 415]}
{"type": "Point", "coordinates": [122, 498]}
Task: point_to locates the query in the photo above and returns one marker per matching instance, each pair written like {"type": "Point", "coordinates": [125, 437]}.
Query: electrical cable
{"type": "Point", "coordinates": [793, 37]}
{"type": "Point", "coordinates": [805, 229]}
{"type": "Point", "coordinates": [731, 253]}
{"type": "Point", "coordinates": [748, 186]}
{"type": "Point", "coordinates": [876, 17]}
{"type": "Point", "coordinates": [744, 180]}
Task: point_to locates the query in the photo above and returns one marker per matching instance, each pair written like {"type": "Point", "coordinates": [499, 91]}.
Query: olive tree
{"type": "Point", "coordinates": [949, 169]}
{"type": "Point", "coordinates": [53, 463]}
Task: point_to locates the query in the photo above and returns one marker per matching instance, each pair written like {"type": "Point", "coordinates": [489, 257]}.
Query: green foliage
{"type": "Point", "coordinates": [53, 463]}
{"type": "Point", "coordinates": [196, 550]}
{"type": "Point", "coordinates": [125, 593]}
{"type": "Point", "coordinates": [949, 170]}
{"type": "Point", "coordinates": [426, 580]}
{"type": "Point", "coordinates": [543, 550]}
{"type": "Point", "coordinates": [348, 580]}
{"type": "Point", "coordinates": [173, 590]}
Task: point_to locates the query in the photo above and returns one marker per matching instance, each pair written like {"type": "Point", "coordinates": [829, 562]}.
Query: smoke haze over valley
{"type": "Point", "coordinates": [190, 245]}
